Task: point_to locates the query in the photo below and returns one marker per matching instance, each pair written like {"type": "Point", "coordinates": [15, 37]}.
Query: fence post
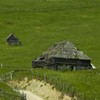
{"type": "Point", "coordinates": [31, 71]}
{"type": "Point", "coordinates": [55, 82]}
{"type": "Point", "coordinates": [38, 74]}
{"type": "Point", "coordinates": [1, 65]}
{"type": "Point", "coordinates": [60, 85]}
{"type": "Point", "coordinates": [67, 89]}
{"type": "Point", "coordinates": [45, 77]}
{"type": "Point", "coordinates": [11, 76]}
{"type": "Point", "coordinates": [72, 92]}
{"type": "Point", "coordinates": [4, 78]}
{"type": "Point", "coordinates": [63, 86]}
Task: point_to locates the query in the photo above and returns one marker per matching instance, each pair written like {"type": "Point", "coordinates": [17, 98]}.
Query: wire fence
{"type": "Point", "coordinates": [5, 94]}
{"type": "Point", "coordinates": [57, 83]}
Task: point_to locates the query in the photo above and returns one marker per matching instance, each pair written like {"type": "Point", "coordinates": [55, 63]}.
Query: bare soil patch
{"type": "Point", "coordinates": [40, 88]}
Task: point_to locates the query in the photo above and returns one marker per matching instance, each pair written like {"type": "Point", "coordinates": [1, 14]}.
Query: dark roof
{"type": "Point", "coordinates": [11, 35]}
{"type": "Point", "coordinates": [65, 49]}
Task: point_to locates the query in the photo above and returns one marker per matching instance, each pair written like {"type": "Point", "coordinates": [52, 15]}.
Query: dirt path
{"type": "Point", "coordinates": [34, 88]}
{"type": "Point", "coordinates": [30, 96]}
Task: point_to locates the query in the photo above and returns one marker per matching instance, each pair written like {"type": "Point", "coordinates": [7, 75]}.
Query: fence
{"type": "Point", "coordinates": [7, 76]}
{"type": "Point", "coordinates": [57, 83]}
{"type": "Point", "coordinates": [12, 96]}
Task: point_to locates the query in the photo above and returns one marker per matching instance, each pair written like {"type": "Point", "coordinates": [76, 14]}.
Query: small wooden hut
{"type": "Point", "coordinates": [13, 40]}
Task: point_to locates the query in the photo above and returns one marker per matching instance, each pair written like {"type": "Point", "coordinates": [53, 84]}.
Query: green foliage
{"type": "Point", "coordinates": [40, 23]}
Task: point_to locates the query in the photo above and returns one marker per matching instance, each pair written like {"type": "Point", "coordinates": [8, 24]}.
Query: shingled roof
{"type": "Point", "coordinates": [63, 54]}
{"type": "Point", "coordinates": [65, 49]}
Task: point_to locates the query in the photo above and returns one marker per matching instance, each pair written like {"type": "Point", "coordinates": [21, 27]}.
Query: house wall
{"type": "Point", "coordinates": [62, 63]}
{"type": "Point", "coordinates": [74, 62]}
{"type": "Point", "coordinates": [38, 64]}
{"type": "Point", "coordinates": [13, 42]}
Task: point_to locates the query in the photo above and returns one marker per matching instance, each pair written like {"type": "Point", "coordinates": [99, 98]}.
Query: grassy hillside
{"type": "Point", "coordinates": [6, 92]}
{"type": "Point", "coordinates": [40, 23]}
{"type": "Point", "coordinates": [85, 84]}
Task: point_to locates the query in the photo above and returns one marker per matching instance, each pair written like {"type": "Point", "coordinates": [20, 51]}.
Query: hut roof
{"type": "Point", "coordinates": [65, 49]}
{"type": "Point", "coordinates": [11, 35]}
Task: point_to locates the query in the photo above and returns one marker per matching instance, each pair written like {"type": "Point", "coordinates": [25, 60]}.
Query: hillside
{"type": "Point", "coordinates": [40, 23]}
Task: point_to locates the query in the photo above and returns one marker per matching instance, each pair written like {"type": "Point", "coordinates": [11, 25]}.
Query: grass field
{"type": "Point", "coordinates": [40, 23]}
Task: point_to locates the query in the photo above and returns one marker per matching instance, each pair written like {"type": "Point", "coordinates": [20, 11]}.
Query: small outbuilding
{"type": "Point", "coordinates": [63, 55]}
{"type": "Point", "coordinates": [13, 40]}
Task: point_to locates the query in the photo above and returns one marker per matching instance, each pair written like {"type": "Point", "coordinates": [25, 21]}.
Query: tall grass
{"type": "Point", "coordinates": [84, 84]}
{"type": "Point", "coordinates": [7, 93]}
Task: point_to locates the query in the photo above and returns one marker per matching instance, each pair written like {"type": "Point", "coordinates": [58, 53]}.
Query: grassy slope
{"type": "Point", "coordinates": [39, 24]}
{"type": "Point", "coordinates": [6, 93]}
{"type": "Point", "coordinates": [85, 83]}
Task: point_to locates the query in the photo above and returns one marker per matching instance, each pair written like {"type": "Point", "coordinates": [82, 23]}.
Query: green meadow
{"type": "Point", "coordinates": [41, 23]}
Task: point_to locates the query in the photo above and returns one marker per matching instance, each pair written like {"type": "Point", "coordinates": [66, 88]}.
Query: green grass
{"type": "Point", "coordinates": [6, 93]}
{"type": "Point", "coordinates": [85, 83]}
{"type": "Point", "coordinates": [40, 23]}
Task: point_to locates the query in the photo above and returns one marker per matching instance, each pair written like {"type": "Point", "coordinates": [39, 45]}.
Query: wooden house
{"type": "Point", "coordinates": [13, 40]}
{"type": "Point", "coordinates": [63, 55]}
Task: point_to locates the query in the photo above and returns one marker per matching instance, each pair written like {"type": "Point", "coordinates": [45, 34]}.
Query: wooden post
{"type": "Point", "coordinates": [45, 77]}
{"type": "Point", "coordinates": [67, 88]}
{"type": "Point", "coordinates": [38, 75]}
{"type": "Point", "coordinates": [32, 72]}
{"type": "Point", "coordinates": [1, 65]}
{"type": "Point", "coordinates": [11, 76]}
{"type": "Point", "coordinates": [60, 85]}
{"type": "Point", "coordinates": [4, 78]}
{"type": "Point", "coordinates": [72, 92]}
